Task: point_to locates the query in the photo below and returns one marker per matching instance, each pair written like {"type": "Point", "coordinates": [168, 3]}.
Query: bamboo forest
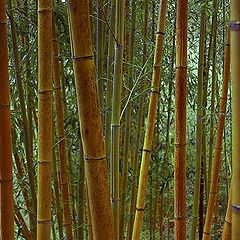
{"type": "Point", "coordinates": [119, 119]}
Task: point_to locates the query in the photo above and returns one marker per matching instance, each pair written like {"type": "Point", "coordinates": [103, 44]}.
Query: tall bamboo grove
{"type": "Point", "coordinates": [6, 177]}
{"type": "Point", "coordinates": [180, 122]}
{"type": "Point", "coordinates": [45, 92]}
{"type": "Point", "coordinates": [151, 119]}
{"type": "Point", "coordinates": [235, 62]}
{"type": "Point", "coordinates": [90, 121]}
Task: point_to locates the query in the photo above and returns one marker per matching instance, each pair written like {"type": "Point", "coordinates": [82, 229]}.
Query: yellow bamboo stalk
{"type": "Point", "coordinates": [61, 137]}
{"type": "Point", "coordinates": [90, 121]}
{"type": "Point", "coordinates": [151, 119]}
{"type": "Point", "coordinates": [235, 70]}
{"type": "Point", "coordinates": [6, 176]}
{"type": "Point", "coordinates": [228, 221]}
{"type": "Point", "coordinates": [44, 119]}
{"type": "Point", "coordinates": [180, 122]}
{"type": "Point", "coordinates": [218, 145]}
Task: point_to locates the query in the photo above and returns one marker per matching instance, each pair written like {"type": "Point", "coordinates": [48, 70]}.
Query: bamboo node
{"type": "Point", "coordinates": [2, 181]}
{"type": "Point", "coordinates": [115, 126]}
{"type": "Point", "coordinates": [45, 162]}
{"type": "Point", "coordinates": [4, 105]}
{"type": "Point", "coordinates": [45, 91]}
{"type": "Point", "coordinates": [42, 10]}
{"type": "Point", "coordinates": [57, 88]}
{"type": "Point", "coordinates": [160, 32]}
{"type": "Point", "coordinates": [206, 233]}
{"type": "Point", "coordinates": [178, 145]}
{"type": "Point", "coordinates": [140, 209]}
{"type": "Point", "coordinates": [235, 208]}
{"type": "Point", "coordinates": [44, 221]}
{"type": "Point", "coordinates": [181, 66]}
{"type": "Point", "coordinates": [155, 90]}
{"type": "Point", "coordinates": [146, 150]}
{"type": "Point", "coordinates": [226, 221]}
{"type": "Point", "coordinates": [235, 26]}
{"type": "Point", "coordinates": [77, 58]}
{"type": "Point", "coordinates": [89, 158]}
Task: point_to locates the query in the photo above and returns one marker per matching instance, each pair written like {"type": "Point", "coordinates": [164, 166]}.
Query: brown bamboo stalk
{"type": "Point", "coordinates": [45, 89]}
{"type": "Point", "coordinates": [6, 176]}
{"type": "Point", "coordinates": [180, 122]}
{"type": "Point", "coordinates": [90, 121]}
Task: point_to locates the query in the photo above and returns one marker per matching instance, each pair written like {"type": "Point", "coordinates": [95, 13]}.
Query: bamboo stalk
{"type": "Point", "coordinates": [151, 119]}
{"type": "Point", "coordinates": [115, 119]}
{"type": "Point", "coordinates": [180, 122]}
{"type": "Point", "coordinates": [227, 229]}
{"type": "Point", "coordinates": [199, 121]}
{"type": "Point", "coordinates": [218, 144]}
{"type": "Point", "coordinates": [140, 117]}
{"type": "Point", "coordinates": [61, 138]}
{"type": "Point", "coordinates": [90, 121]}
{"type": "Point", "coordinates": [30, 164]}
{"type": "Point", "coordinates": [235, 70]}
{"type": "Point", "coordinates": [128, 119]}
{"type": "Point", "coordinates": [6, 176]}
{"type": "Point", "coordinates": [45, 87]}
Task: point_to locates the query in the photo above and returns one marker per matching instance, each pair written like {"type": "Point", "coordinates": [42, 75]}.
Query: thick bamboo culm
{"type": "Point", "coordinates": [151, 119]}
{"type": "Point", "coordinates": [218, 144]}
{"type": "Point", "coordinates": [45, 92]}
{"type": "Point", "coordinates": [90, 121]}
{"type": "Point", "coordinates": [180, 122]}
{"type": "Point", "coordinates": [61, 137]}
{"type": "Point", "coordinates": [6, 175]}
{"type": "Point", "coordinates": [235, 71]}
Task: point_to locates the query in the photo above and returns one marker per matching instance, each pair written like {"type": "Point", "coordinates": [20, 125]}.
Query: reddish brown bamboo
{"type": "Point", "coordinates": [6, 177]}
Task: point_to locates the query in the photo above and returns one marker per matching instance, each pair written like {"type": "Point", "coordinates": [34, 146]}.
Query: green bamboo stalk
{"type": "Point", "coordinates": [213, 91]}
{"type": "Point", "coordinates": [110, 61]}
{"type": "Point", "coordinates": [199, 120]}
{"type": "Point", "coordinates": [115, 119]}
{"type": "Point", "coordinates": [30, 164]}
{"type": "Point", "coordinates": [218, 144]}
{"type": "Point", "coordinates": [140, 117]}
{"type": "Point", "coordinates": [61, 137]}
{"type": "Point", "coordinates": [128, 121]}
